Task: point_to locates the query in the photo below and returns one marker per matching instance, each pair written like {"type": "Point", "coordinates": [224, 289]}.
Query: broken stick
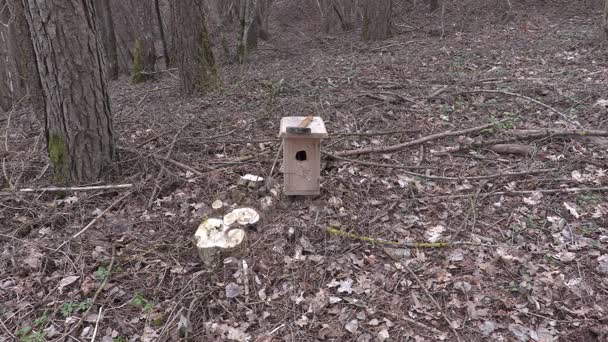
{"type": "Point", "coordinates": [401, 146]}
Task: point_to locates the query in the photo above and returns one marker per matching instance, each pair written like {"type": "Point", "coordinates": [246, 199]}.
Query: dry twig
{"type": "Point", "coordinates": [103, 284]}
{"type": "Point", "coordinates": [525, 134]}
{"type": "Point", "coordinates": [471, 178]}
{"type": "Point", "coordinates": [162, 170]}
{"type": "Point", "coordinates": [418, 141]}
{"type": "Point", "coordinates": [79, 188]}
{"type": "Point", "coordinates": [93, 221]}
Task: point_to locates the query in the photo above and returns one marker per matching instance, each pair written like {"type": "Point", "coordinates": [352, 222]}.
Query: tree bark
{"type": "Point", "coordinates": [248, 29]}
{"type": "Point", "coordinates": [78, 119]}
{"type": "Point", "coordinates": [262, 16]}
{"type": "Point", "coordinates": [143, 55]}
{"type": "Point", "coordinates": [161, 30]}
{"type": "Point", "coordinates": [23, 53]}
{"type": "Point", "coordinates": [9, 83]}
{"type": "Point", "coordinates": [105, 21]}
{"type": "Point", "coordinates": [377, 19]}
{"type": "Point", "coordinates": [605, 19]}
{"type": "Point", "coordinates": [193, 50]}
{"type": "Point", "coordinates": [338, 15]}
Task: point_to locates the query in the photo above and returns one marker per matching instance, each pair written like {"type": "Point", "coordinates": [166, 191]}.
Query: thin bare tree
{"type": "Point", "coordinates": [248, 29]}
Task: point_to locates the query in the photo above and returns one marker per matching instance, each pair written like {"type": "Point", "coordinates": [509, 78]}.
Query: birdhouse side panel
{"type": "Point", "coordinates": [302, 159]}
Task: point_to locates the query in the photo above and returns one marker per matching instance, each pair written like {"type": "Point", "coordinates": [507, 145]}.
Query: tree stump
{"type": "Point", "coordinates": [214, 240]}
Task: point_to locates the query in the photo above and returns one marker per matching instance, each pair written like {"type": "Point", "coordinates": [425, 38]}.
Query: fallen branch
{"type": "Point", "coordinates": [79, 188]}
{"type": "Point", "coordinates": [445, 178]}
{"type": "Point", "coordinates": [183, 166]}
{"type": "Point", "coordinates": [490, 91]}
{"type": "Point", "coordinates": [525, 134]}
{"type": "Point", "coordinates": [398, 147]}
{"type": "Point", "coordinates": [172, 161]}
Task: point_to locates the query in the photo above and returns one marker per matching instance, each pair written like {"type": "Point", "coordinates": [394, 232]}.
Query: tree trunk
{"type": "Point", "coordinates": [377, 19]}
{"type": "Point", "coordinates": [108, 37]}
{"type": "Point", "coordinates": [78, 119]}
{"type": "Point", "coordinates": [338, 15]}
{"type": "Point", "coordinates": [262, 15]}
{"type": "Point", "coordinates": [193, 50]}
{"type": "Point", "coordinates": [248, 33]}
{"type": "Point", "coordinates": [605, 19]}
{"type": "Point", "coordinates": [143, 55]}
{"type": "Point", "coordinates": [161, 29]}
{"type": "Point", "coordinates": [23, 53]}
{"type": "Point", "coordinates": [9, 82]}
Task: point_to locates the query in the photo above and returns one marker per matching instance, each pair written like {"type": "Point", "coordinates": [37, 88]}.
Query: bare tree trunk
{"type": "Point", "coordinates": [262, 15]}
{"type": "Point", "coordinates": [10, 90]}
{"type": "Point", "coordinates": [25, 57]}
{"type": "Point", "coordinates": [143, 55]}
{"type": "Point", "coordinates": [377, 19]}
{"type": "Point", "coordinates": [78, 119]}
{"type": "Point", "coordinates": [247, 19]}
{"type": "Point", "coordinates": [161, 29]}
{"type": "Point", "coordinates": [108, 37]}
{"type": "Point", "coordinates": [338, 15]}
{"type": "Point", "coordinates": [6, 88]}
{"type": "Point", "coordinates": [193, 50]}
{"type": "Point", "coordinates": [605, 19]}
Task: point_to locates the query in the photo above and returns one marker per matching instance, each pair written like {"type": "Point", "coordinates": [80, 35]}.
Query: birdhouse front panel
{"type": "Point", "coordinates": [302, 166]}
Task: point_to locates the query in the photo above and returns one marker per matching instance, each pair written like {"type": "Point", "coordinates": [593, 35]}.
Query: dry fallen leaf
{"type": "Point", "coordinates": [67, 281]}
{"type": "Point", "coordinates": [383, 335]}
{"type": "Point", "coordinates": [352, 326]}
{"type": "Point", "coordinates": [434, 233]}
{"type": "Point", "coordinates": [233, 290]}
{"type": "Point", "coordinates": [346, 286]}
{"type": "Point", "coordinates": [572, 209]}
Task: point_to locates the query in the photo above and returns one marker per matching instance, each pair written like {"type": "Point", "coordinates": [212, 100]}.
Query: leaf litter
{"type": "Point", "coordinates": [534, 268]}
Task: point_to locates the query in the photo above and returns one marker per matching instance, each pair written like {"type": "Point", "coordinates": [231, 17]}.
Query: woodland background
{"type": "Point", "coordinates": [479, 124]}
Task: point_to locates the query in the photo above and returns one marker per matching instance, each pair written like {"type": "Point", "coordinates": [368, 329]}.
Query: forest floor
{"type": "Point", "coordinates": [525, 263]}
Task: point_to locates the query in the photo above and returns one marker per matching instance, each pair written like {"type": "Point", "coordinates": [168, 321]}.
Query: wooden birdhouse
{"type": "Point", "coordinates": [302, 154]}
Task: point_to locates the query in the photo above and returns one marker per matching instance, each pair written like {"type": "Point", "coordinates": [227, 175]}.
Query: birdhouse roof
{"type": "Point", "coordinates": [317, 127]}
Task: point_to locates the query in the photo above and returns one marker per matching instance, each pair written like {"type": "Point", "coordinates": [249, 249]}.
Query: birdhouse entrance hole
{"type": "Point", "coordinates": [301, 155]}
